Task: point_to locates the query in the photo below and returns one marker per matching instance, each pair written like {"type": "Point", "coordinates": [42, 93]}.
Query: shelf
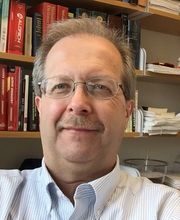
{"type": "Point", "coordinates": [108, 6]}
{"type": "Point", "coordinates": [151, 19]}
{"type": "Point", "coordinates": [7, 57]}
{"type": "Point", "coordinates": [36, 135]}
{"type": "Point", "coordinates": [19, 134]}
{"type": "Point", "coordinates": [161, 21]}
{"type": "Point", "coordinates": [158, 77]}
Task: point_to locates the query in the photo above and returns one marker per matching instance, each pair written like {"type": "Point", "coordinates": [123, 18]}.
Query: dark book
{"type": "Point", "coordinates": [115, 22]}
{"type": "Point", "coordinates": [134, 38]}
{"type": "Point", "coordinates": [131, 1]}
{"type": "Point", "coordinates": [36, 32]}
{"type": "Point", "coordinates": [33, 116]}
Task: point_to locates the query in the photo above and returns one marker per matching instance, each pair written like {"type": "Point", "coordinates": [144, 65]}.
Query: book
{"type": "Point", "coordinates": [114, 21]}
{"type": "Point", "coordinates": [13, 97]}
{"type": "Point", "coordinates": [33, 116]}
{"type": "Point", "coordinates": [48, 13]}
{"type": "Point", "coordinates": [62, 12]}
{"type": "Point", "coordinates": [3, 97]}
{"type": "Point", "coordinates": [28, 37]}
{"type": "Point", "coordinates": [4, 25]}
{"type": "Point", "coordinates": [134, 39]}
{"type": "Point", "coordinates": [26, 97]}
{"type": "Point", "coordinates": [36, 32]}
{"type": "Point", "coordinates": [16, 27]}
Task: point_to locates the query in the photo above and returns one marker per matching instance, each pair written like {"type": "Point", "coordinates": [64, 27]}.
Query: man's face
{"type": "Point", "coordinates": [81, 128]}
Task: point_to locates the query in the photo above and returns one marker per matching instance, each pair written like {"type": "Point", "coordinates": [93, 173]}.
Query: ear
{"type": "Point", "coordinates": [129, 108]}
{"type": "Point", "coordinates": [38, 103]}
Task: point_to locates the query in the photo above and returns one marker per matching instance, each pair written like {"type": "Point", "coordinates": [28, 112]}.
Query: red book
{"type": "Point", "coordinates": [62, 12]}
{"type": "Point", "coordinates": [48, 12]}
{"type": "Point", "coordinates": [16, 25]}
{"type": "Point", "coordinates": [3, 97]}
{"type": "Point", "coordinates": [13, 97]}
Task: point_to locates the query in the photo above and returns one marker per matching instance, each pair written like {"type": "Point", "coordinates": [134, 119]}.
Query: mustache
{"type": "Point", "coordinates": [80, 122]}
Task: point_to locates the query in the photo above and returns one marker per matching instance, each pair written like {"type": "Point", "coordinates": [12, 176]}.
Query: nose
{"type": "Point", "coordinates": [80, 103]}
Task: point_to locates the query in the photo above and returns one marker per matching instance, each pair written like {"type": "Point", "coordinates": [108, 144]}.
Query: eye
{"type": "Point", "coordinates": [100, 87]}
{"type": "Point", "coordinates": [63, 87]}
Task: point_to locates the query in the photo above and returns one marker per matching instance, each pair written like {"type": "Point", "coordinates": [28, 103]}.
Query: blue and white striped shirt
{"type": "Point", "coordinates": [33, 195]}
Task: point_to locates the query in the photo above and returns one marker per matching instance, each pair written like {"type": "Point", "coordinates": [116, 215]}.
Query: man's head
{"type": "Point", "coordinates": [83, 79]}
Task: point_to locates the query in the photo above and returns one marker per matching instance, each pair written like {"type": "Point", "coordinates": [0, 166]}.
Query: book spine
{"type": "Point", "coordinates": [3, 97]}
{"type": "Point", "coordinates": [99, 16]}
{"type": "Point", "coordinates": [134, 35]}
{"type": "Point", "coordinates": [28, 37]}
{"type": "Point", "coordinates": [33, 117]}
{"type": "Point", "coordinates": [26, 102]}
{"type": "Point", "coordinates": [62, 13]}
{"type": "Point", "coordinates": [16, 27]}
{"type": "Point", "coordinates": [4, 25]}
{"type": "Point", "coordinates": [36, 32]}
{"type": "Point", "coordinates": [48, 12]}
{"type": "Point", "coordinates": [13, 98]}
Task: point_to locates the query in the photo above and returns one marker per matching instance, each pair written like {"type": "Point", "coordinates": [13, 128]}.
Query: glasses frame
{"type": "Point", "coordinates": [118, 84]}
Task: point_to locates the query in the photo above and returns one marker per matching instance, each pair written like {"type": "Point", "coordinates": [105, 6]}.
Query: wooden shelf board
{"type": "Point", "coordinates": [158, 77]}
{"type": "Point", "coordinates": [16, 58]}
{"type": "Point", "coordinates": [19, 134]}
{"type": "Point", "coordinates": [36, 134]}
{"type": "Point", "coordinates": [109, 6]}
{"type": "Point", "coordinates": [161, 22]}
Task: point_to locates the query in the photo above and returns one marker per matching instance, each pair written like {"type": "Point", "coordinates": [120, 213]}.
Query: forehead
{"type": "Point", "coordinates": [83, 52]}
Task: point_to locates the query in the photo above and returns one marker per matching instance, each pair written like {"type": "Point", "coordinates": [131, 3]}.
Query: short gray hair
{"type": "Point", "coordinates": [70, 27]}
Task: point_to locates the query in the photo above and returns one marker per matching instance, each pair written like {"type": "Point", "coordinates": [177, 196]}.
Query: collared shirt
{"type": "Point", "coordinates": [33, 195]}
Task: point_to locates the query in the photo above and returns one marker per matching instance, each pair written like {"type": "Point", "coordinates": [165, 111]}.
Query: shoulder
{"type": "Point", "coordinates": [11, 179]}
{"type": "Point", "coordinates": [157, 197]}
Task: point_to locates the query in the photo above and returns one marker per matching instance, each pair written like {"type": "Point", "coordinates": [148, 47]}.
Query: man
{"type": "Point", "coordinates": [83, 79]}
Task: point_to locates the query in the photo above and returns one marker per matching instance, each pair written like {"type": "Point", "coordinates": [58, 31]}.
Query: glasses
{"type": "Point", "coordinates": [61, 87]}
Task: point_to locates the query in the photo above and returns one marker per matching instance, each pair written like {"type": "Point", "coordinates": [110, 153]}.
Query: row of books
{"type": "Point", "coordinates": [22, 28]}
{"type": "Point", "coordinates": [17, 103]}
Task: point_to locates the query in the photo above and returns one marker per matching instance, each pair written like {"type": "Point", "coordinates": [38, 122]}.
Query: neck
{"type": "Point", "coordinates": [69, 177]}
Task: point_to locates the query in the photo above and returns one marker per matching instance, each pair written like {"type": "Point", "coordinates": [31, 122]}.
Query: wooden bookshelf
{"type": "Point", "coordinates": [19, 134]}
{"type": "Point", "coordinates": [36, 135]}
{"type": "Point", "coordinates": [151, 19]}
{"type": "Point", "coordinates": [157, 77]}
{"type": "Point", "coordinates": [20, 59]}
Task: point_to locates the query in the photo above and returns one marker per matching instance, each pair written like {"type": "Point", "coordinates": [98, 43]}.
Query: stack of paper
{"type": "Point", "coordinates": [162, 69]}
{"type": "Point", "coordinates": [170, 6]}
{"type": "Point", "coordinates": [160, 122]}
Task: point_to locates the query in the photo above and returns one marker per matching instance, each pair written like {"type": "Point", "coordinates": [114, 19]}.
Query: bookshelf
{"type": "Point", "coordinates": [151, 19]}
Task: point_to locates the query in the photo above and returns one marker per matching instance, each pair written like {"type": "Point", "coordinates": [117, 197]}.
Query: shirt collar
{"type": "Point", "coordinates": [104, 187]}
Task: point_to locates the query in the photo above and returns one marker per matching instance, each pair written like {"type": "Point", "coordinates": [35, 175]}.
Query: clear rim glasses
{"type": "Point", "coordinates": [59, 87]}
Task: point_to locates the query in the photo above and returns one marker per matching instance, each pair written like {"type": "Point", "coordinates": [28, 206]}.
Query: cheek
{"type": "Point", "coordinates": [50, 111]}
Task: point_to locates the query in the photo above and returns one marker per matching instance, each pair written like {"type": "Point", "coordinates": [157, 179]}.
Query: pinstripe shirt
{"type": "Point", "coordinates": [33, 195]}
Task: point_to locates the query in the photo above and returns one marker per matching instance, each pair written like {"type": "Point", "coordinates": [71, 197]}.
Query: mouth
{"type": "Point", "coordinates": [79, 129]}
